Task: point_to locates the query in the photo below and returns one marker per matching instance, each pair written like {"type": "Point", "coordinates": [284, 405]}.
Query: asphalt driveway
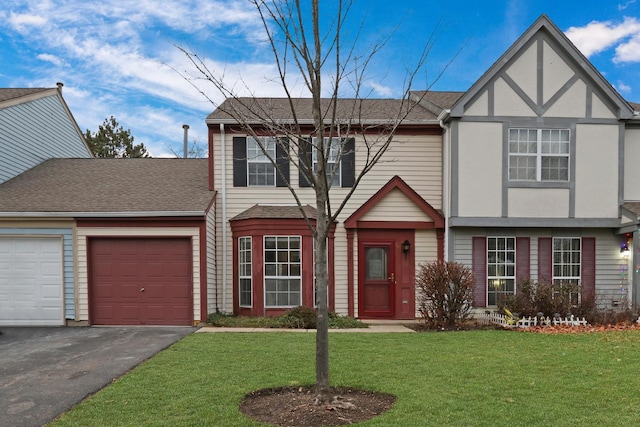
{"type": "Point", "coordinates": [45, 371]}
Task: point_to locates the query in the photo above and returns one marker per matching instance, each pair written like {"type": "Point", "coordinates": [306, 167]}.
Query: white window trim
{"type": "Point", "coordinates": [504, 277]}
{"type": "Point", "coordinates": [314, 156]}
{"type": "Point", "coordinates": [539, 154]}
{"type": "Point", "coordinates": [264, 160]}
{"type": "Point", "coordinates": [240, 269]}
{"type": "Point", "coordinates": [265, 276]}
{"type": "Point", "coordinates": [559, 279]}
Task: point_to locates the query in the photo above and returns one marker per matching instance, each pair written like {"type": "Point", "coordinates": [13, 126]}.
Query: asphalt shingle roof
{"type": "Point", "coordinates": [279, 109]}
{"type": "Point", "coordinates": [109, 186]}
{"type": "Point", "coordinates": [12, 93]}
{"type": "Point", "coordinates": [275, 212]}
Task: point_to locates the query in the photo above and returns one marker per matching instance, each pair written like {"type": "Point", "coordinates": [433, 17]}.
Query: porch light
{"type": "Point", "coordinates": [406, 247]}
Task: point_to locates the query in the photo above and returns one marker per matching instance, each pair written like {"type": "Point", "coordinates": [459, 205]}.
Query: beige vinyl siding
{"type": "Point", "coordinates": [417, 159]}
{"type": "Point", "coordinates": [631, 169]}
{"type": "Point", "coordinates": [83, 234]}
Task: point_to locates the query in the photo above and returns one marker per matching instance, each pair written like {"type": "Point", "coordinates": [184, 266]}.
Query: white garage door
{"type": "Point", "coordinates": [31, 282]}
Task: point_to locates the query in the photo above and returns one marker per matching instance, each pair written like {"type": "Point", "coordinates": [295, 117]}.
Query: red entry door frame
{"type": "Point", "coordinates": [386, 291]}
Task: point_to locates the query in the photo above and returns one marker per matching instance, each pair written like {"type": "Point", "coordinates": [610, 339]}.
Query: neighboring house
{"type": "Point", "coordinates": [36, 125]}
{"type": "Point", "coordinates": [265, 249]}
{"type": "Point", "coordinates": [107, 242]}
{"type": "Point", "coordinates": [543, 180]}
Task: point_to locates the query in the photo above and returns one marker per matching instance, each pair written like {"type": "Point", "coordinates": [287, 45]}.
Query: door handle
{"type": "Point", "coordinates": [392, 277]}
{"type": "Point", "coordinates": [141, 289]}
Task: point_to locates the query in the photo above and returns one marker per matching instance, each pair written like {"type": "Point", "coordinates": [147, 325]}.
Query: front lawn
{"type": "Point", "coordinates": [466, 378]}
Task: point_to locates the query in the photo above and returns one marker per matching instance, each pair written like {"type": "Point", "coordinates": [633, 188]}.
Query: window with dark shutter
{"type": "Point", "coordinates": [344, 175]}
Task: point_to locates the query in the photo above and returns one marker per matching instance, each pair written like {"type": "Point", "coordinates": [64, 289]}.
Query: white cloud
{"type": "Point", "coordinates": [381, 90]}
{"type": "Point", "coordinates": [23, 21]}
{"type": "Point", "coordinates": [622, 87]}
{"type": "Point", "coordinates": [626, 5]}
{"type": "Point", "coordinates": [596, 36]}
{"type": "Point", "coordinates": [50, 58]}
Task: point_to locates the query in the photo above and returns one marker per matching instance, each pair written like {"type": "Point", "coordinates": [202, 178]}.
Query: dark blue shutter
{"type": "Point", "coordinates": [239, 161]}
{"type": "Point", "coordinates": [349, 163]}
{"type": "Point", "coordinates": [305, 159]}
{"type": "Point", "coordinates": [282, 161]}
{"type": "Point", "coordinates": [479, 268]}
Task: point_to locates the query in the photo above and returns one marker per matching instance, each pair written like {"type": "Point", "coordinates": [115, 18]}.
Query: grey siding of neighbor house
{"type": "Point", "coordinates": [35, 131]}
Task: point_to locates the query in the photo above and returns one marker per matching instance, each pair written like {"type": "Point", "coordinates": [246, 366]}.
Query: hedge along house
{"type": "Point", "coordinates": [265, 248]}
{"type": "Point", "coordinates": [543, 178]}
{"type": "Point", "coordinates": [131, 242]}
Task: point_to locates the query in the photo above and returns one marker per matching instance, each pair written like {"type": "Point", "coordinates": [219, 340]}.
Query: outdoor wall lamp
{"type": "Point", "coordinates": [406, 247]}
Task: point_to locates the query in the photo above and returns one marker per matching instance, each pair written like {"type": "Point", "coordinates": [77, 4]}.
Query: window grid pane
{"type": "Point", "coordinates": [334, 145]}
{"type": "Point", "coordinates": [244, 273]}
{"type": "Point", "coordinates": [260, 170]}
{"type": "Point", "coordinates": [539, 154]}
{"type": "Point", "coordinates": [566, 265]}
{"type": "Point", "coordinates": [501, 280]}
{"type": "Point", "coordinates": [283, 271]}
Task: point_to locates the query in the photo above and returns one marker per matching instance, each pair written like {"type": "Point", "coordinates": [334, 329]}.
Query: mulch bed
{"type": "Point", "coordinates": [294, 406]}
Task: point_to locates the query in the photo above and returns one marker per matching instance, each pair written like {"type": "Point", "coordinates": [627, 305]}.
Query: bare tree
{"type": "Point", "coordinates": [315, 52]}
{"type": "Point", "coordinates": [195, 150]}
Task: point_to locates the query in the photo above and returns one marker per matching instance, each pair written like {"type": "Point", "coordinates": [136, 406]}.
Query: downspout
{"type": "Point", "coordinates": [446, 178]}
{"type": "Point", "coordinates": [223, 156]}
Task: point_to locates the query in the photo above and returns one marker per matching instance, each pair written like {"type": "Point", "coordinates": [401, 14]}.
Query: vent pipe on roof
{"type": "Point", "coordinates": [60, 84]}
{"type": "Point", "coordinates": [186, 136]}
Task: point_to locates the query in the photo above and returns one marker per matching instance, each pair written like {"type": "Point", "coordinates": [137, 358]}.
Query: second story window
{"type": "Point", "coordinates": [540, 155]}
{"type": "Point", "coordinates": [333, 146]}
{"type": "Point", "coordinates": [253, 166]}
{"type": "Point", "coordinates": [260, 169]}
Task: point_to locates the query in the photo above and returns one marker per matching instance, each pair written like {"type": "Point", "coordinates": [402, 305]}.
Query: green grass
{"type": "Point", "coordinates": [466, 378]}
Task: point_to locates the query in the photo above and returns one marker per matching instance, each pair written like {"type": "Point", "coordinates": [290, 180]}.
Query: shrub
{"type": "Point", "coordinates": [533, 297]}
{"type": "Point", "coordinates": [445, 293]}
{"type": "Point", "coordinates": [301, 317]}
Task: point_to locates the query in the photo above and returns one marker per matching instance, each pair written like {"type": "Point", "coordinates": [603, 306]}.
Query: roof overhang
{"type": "Point", "coordinates": [146, 214]}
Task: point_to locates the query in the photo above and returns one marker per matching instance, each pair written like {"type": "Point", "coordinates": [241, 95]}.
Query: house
{"type": "Point", "coordinates": [265, 248]}
{"type": "Point", "coordinates": [542, 178]}
{"type": "Point", "coordinates": [532, 177]}
{"type": "Point", "coordinates": [36, 125]}
{"type": "Point", "coordinates": [107, 242]}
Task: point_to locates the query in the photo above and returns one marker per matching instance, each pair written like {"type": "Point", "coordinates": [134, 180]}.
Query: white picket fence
{"type": "Point", "coordinates": [493, 318]}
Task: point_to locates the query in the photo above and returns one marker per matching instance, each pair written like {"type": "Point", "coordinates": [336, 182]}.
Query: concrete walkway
{"type": "Point", "coordinates": [373, 328]}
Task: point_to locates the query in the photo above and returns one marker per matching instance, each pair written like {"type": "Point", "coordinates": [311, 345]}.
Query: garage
{"type": "Point", "coordinates": [31, 281]}
{"type": "Point", "coordinates": [140, 281]}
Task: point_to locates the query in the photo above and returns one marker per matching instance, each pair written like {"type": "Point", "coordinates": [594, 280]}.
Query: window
{"type": "Point", "coordinates": [252, 167]}
{"type": "Point", "coordinates": [244, 273]}
{"type": "Point", "coordinates": [501, 268]}
{"type": "Point", "coordinates": [282, 271]}
{"type": "Point", "coordinates": [333, 144]}
{"type": "Point", "coordinates": [344, 169]}
{"type": "Point", "coordinates": [566, 266]}
{"type": "Point", "coordinates": [538, 154]}
{"type": "Point", "coordinates": [260, 169]}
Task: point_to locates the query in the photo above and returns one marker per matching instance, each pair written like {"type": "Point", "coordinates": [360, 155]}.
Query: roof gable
{"type": "Point", "coordinates": [533, 77]}
{"type": "Point", "coordinates": [395, 183]}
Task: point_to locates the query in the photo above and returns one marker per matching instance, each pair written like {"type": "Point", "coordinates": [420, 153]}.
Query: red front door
{"type": "Point", "coordinates": [379, 280]}
{"type": "Point", "coordinates": [386, 275]}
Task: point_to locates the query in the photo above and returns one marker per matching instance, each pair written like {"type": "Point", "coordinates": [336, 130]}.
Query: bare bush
{"type": "Point", "coordinates": [445, 293]}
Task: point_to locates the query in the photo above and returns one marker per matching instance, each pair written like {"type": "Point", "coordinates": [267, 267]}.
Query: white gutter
{"type": "Point", "coordinates": [446, 176]}
{"type": "Point", "coordinates": [223, 157]}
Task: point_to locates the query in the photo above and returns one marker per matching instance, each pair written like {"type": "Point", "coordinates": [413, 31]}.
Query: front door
{"type": "Point", "coordinates": [378, 285]}
{"type": "Point", "coordinates": [386, 274]}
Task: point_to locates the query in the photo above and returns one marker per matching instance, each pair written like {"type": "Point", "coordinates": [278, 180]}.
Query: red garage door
{"type": "Point", "coordinates": [140, 281]}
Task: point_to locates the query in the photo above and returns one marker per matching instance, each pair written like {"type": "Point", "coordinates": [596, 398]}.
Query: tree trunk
{"type": "Point", "coordinates": [321, 271]}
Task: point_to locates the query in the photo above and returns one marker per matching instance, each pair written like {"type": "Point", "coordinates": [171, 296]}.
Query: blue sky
{"type": "Point", "coordinates": [119, 57]}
